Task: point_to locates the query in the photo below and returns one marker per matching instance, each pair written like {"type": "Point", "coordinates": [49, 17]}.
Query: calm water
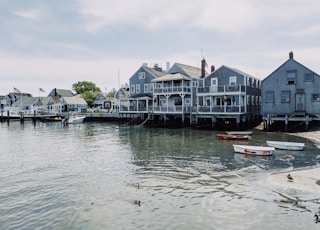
{"type": "Point", "coordinates": [88, 176]}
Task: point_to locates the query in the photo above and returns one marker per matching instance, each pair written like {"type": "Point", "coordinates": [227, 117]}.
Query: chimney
{"type": "Point", "coordinates": [212, 68]}
{"type": "Point", "coordinates": [291, 55]}
{"type": "Point", "coordinates": [203, 68]}
{"type": "Point", "coordinates": [167, 66]}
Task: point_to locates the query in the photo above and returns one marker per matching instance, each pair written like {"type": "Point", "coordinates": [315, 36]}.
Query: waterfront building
{"type": "Point", "coordinates": [291, 93]}
{"type": "Point", "coordinates": [175, 93]}
{"type": "Point", "coordinates": [228, 97]}
{"type": "Point", "coordinates": [141, 91]}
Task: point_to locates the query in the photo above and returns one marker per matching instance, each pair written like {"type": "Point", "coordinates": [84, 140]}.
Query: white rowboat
{"type": "Point", "coordinates": [254, 150]}
{"type": "Point", "coordinates": [239, 132]}
{"type": "Point", "coordinates": [286, 145]}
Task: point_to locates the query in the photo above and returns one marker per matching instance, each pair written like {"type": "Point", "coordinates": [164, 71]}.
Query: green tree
{"type": "Point", "coordinates": [111, 93]}
{"type": "Point", "coordinates": [89, 97]}
{"type": "Point", "coordinates": [88, 91]}
{"type": "Point", "coordinates": [85, 86]}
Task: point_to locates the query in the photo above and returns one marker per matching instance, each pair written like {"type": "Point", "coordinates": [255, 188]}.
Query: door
{"type": "Point", "coordinates": [300, 102]}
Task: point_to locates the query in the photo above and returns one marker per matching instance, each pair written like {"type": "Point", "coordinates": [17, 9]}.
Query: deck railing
{"type": "Point", "coordinates": [221, 109]}
{"type": "Point", "coordinates": [173, 89]}
{"type": "Point", "coordinates": [221, 89]}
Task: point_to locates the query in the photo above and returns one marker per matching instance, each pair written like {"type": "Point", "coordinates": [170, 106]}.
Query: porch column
{"type": "Point", "coordinates": [307, 122]}
{"type": "Point", "coordinates": [286, 122]}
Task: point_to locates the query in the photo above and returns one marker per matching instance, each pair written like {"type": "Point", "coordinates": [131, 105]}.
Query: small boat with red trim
{"type": "Point", "coordinates": [254, 150]}
{"type": "Point", "coordinates": [222, 136]}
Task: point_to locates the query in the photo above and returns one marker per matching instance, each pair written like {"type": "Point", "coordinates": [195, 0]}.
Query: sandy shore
{"type": "Point", "coordinates": [305, 180]}
{"type": "Point", "coordinates": [311, 135]}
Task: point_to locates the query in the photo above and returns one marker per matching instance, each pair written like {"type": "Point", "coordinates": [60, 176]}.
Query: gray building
{"type": "Point", "coordinates": [291, 94]}
{"type": "Point", "coordinates": [229, 97]}
{"type": "Point", "coordinates": [141, 90]}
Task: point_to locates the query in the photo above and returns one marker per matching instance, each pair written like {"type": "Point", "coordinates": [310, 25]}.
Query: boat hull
{"type": "Point", "coordinates": [286, 145]}
{"type": "Point", "coordinates": [232, 137]}
{"type": "Point", "coordinates": [239, 132]}
{"type": "Point", "coordinates": [75, 120]}
{"type": "Point", "coordinates": [254, 150]}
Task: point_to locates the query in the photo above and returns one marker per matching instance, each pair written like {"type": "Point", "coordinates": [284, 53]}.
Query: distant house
{"type": "Point", "coordinates": [291, 94]}
{"type": "Point", "coordinates": [141, 90]}
{"type": "Point", "coordinates": [73, 104]}
{"type": "Point", "coordinates": [61, 93]}
{"type": "Point", "coordinates": [31, 104]}
{"type": "Point", "coordinates": [67, 101]}
{"type": "Point", "coordinates": [11, 98]}
{"type": "Point", "coordinates": [229, 96]}
{"type": "Point", "coordinates": [121, 97]}
{"type": "Point", "coordinates": [100, 100]}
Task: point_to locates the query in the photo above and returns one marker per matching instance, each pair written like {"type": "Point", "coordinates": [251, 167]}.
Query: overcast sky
{"type": "Point", "coordinates": [53, 44]}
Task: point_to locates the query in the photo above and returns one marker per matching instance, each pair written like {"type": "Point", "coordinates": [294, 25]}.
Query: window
{"type": "Point", "coordinates": [269, 97]}
{"type": "Point", "coordinates": [194, 83]}
{"type": "Point", "coordinates": [187, 101]}
{"type": "Point", "coordinates": [146, 88]}
{"type": "Point", "coordinates": [214, 81]}
{"type": "Point", "coordinates": [133, 89]}
{"type": "Point", "coordinates": [308, 77]}
{"type": "Point", "coordinates": [142, 75]}
{"type": "Point", "coordinates": [151, 87]}
{"type": "Point", "coordinates": [316, 97]}
{"type": "Point", "coordinates": [285, 96]}
{"type": "Point", "coordinates": [137, 88]}
{"type": "Point", "coordinates": [291, 77]}
{"type": "Point", "coordinates": [233, 80]}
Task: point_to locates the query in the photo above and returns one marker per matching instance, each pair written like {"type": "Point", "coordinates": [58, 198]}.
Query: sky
{"type": "Point", "coordinates": [54, 44]}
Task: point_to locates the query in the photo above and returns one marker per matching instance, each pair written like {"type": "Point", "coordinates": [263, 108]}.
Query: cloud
{"type": "Point", "coordinates": [33, 14]}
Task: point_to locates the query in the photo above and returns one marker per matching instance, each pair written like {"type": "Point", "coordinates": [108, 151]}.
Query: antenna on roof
{"type": "Point", "coordinates": [118, 78]}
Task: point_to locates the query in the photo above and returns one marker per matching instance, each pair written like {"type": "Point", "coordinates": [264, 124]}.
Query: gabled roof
{"type": "Point", "coordinates": [190, 71]}
{"type": "Point", "coordinates": [61, 92]}
{"type": "Point", "coordinates": [155, 72]}
{"type": "Point", "coordinates": [234, 70]}
{"type": "Point", "coordinates": [26, 101]}
{"type": "Point", "coordinates": [286, 62]}
{"type": "Point", "coordinates": [75, 100]}
{"type": "Point", "coordinates": [171, 77]}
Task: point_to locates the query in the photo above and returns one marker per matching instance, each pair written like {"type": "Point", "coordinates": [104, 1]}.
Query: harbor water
{"type": "Point", "coordinates": [90, 176]}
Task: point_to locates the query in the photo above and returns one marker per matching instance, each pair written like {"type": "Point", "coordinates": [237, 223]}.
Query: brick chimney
{"type": "Point", "coordinates": [203, 68]}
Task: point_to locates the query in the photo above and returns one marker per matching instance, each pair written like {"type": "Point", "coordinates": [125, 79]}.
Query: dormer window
{"type": "Point", "coordinates": [291, 77]}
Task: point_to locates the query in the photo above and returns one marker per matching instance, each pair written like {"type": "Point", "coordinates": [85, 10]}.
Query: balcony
{"type": "Point", "coordinates": [172, 109]}
{"type": "Point", "coordinates": [173, 89]}
{"type": "Point", "coordinates": [222, 109]}
{"type": "Point", "coordinates": [221, 89]}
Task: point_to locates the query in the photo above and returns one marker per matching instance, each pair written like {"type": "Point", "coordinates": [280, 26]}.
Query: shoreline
{"type": "Point", "coordinates": [310, 135]}
{"type": "Point", "coordinates": [307, 179]}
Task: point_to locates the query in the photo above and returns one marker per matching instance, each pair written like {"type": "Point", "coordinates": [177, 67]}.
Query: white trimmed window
{"type": "Point", "coordinates": [133, 89]}
{"type": "Point", "coordinates": [233, 80]}
{"type": "Point", "coordinates": [146, 88]}
{"type": "Point", "coordinates": [151, 87]}
{"type": "Point", "coordinates": [137, 88]}
{"type": "Point", "coordinates": [214, 81]}
{"type": "Point", "coordinates": [142, 75]}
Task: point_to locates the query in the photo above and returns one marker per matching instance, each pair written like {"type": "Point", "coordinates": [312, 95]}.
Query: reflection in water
{"type": "Point", "coordinates": [90, 177]}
